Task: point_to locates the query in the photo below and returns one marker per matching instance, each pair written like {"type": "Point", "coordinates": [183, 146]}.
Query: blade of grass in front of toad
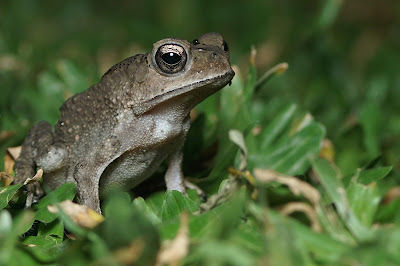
{"type": "Point", "coordinates": [174, 203]}
{"type": "Point", "coordinates": [365, 196]}
{"type": "Point", "coordinates": [9, 230]}
{"type": "Point", "coordinates": [65, 192]}
{"type": "Point", "coordinates": [367, 176]}
{"type": "Point", "coordinates": [364, 201]}
{"type": "Point", "coordinates": [276, 126]}
{"type": "Point", "coordinates": [323, 247]}
{"type": "Point", "coordinates": [290, 154]}
{"type": "Point", "coordinates": [55, 228]}
{"type": "Point", "coordinates": [45, 248]}
{"type": "Point", "coordinates": [330, 180]}
{"type": "Point", "coordinates": [7, 193]}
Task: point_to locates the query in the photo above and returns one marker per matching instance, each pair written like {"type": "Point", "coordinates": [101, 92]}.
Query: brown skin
{"type": "Point", "coordinates": [117, 132]}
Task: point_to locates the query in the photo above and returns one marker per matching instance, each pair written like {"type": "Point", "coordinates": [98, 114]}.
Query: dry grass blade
{"type": "Point", "coordinates": [178, 249]}
{"type": "Point", "coordinates": [130, 254]}
{"type": "Point", "coordinates": [9, 160]}
{"type": "Point", "coordinates": [311, 214]}
{"type": "Point", "coordinates": [295, 185]}
{"type": "Point", "coordinates": [276, 70]}
{"type": "Point", "coordinates": [35, 178]}
{"type": "Point", "coordinates": [232, 184]}
{"type": "Point", "coordinates": [237, 137]}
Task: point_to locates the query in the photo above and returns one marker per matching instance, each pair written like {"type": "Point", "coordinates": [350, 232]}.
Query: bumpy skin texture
{"type": "Point", "coordinates": [118, 132]}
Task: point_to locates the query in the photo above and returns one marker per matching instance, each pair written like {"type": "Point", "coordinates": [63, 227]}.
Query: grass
{"type": "Point", "coordinates": [299, 168]}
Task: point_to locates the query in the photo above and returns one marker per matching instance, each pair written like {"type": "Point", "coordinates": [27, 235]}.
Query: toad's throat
{"type": "Point", "coordinates": [225, 79]}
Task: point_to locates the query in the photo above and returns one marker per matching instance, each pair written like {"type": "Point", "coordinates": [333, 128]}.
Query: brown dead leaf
{"type": "Point", "coordinates": [5, 179]}
{"type": "Point", "coordinates": [127, 255]}
{"type": "Point", "coordinates": [130, 254]}
{"type": "Point", "coordinates": [295, 185]}
{"type": "Point", "coordinates": [178, 248]}
{"type": "Point", "coordinates": [391, 195]}
{"type": "Point", "coordinates": [6, 134]}
{"type": "Point", "coordinates": [9, 160]}
{"type": "Point", "coordinates": [14, 152]}
{"type": "Point", "coordinates": [35, 178]}
{"type": "Point", "coordinates": [8, 164]}
{"type": "Point", "coordinates": [327, 151]}
{"type": "Point", "coordinates": [292, 207]}
{"type": "Point", "coordinates": [80, 214]}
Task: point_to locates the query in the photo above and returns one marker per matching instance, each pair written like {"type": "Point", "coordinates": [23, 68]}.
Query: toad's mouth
{"type": "Point", "coordinates": [215, 83]}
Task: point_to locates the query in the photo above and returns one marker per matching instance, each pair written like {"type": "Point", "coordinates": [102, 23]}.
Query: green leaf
{"type": "Point", "coordinates": [281, 237]}
{"type": "Point", "coordinates": [155, 203]}
{"type": "Point", "coordinates": [222, 161]}
{"type": "Point", "coordinates": [199, 224]}
{"type": "Point", "coordinates": [23, 222]}
{"type": "Point", "coordinates": [389, 213]}
{"type": "Point", "coordinates": [248, 236]}
{"type": "Point", "coordinates": [125, 224]}
{"type": "Point", "coordinates": [372, 175]}
{"type": "Point", "coordinates": [292, 155]}
{"type": "Point", "coordinates": [233, 104]}
{"type": "Point", "coordinates": [364, 201]}
{"type": "Point", "coordinates": [213, 252]}
{"type": "Point", "coordinates": [321, 245]}
{"type": "Point", "coordinates": [21, 257]}
{"type": "Point", "coordinates": [194, 196]}
{"type": "Point", "coordinates": [6, 194]}
{"type": "Point", "coordinates": [44, 248]}
{"type": "Point", "coordinates": [55, 228]}
{"type": "Point", "coordinates": [276, 126]}
{"type": "Point", "coordinates": [7, 238]}
{"type": "Point", "coordinates": [329, 13]}
{"type": "Point", "coordinates": [9, 231]}
{"type": "Point", "coordinates": [5, 223]}
{"type": "Point", "coordinates": [65, 192]}
{"type": "Point", "coordinates": [141, 205]}
{"type": "Point", "coordinates": [237, 137]}
{"type": "Point", "coordinates": [174, 203]}
{"type": "Point", "coordinates": [330, 179]}
{"type": "Point", "coordinates": [370, 119]}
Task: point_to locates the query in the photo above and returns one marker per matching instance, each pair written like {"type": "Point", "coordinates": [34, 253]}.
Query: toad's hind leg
{"type": "Point", "coordinates": [39, 138]}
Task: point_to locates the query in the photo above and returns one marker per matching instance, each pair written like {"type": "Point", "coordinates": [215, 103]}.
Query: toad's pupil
{"type": "Point", "coordinates": [171, 58]}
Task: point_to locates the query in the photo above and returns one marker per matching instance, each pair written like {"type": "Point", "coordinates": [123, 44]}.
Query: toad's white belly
{"type": "Point", "coordinates": [134, 166]}
{"type": "Point", "coordinates": [131, 169]}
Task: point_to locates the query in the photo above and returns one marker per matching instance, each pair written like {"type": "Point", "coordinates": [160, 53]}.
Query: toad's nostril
{"type": "Point", "coordinates": [226, 47]}
{"type": "Point", "coordinates": [214, 55]}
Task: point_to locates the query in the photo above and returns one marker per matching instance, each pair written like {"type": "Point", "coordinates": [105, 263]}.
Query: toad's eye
{"type": "Point", "coordinates": [171, 58]}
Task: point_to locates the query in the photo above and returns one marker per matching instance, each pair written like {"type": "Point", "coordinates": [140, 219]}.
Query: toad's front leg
{"type": "Point", "coordinates": [88, 170]}
{"type": "Point", "coordinates": [174, 177]}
